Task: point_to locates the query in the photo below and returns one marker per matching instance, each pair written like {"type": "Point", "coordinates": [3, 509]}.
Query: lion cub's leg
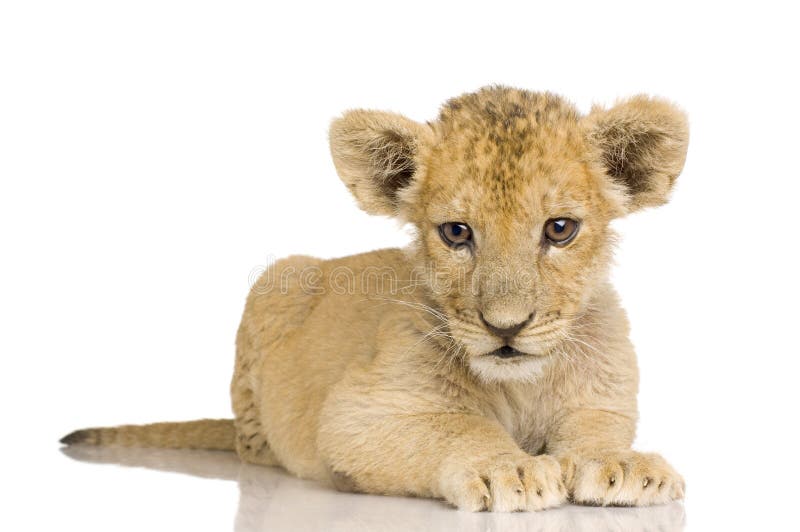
{"type": "Point", "coordinates": [470, 461]}
{"type": "Point", "coordinates": [500, 481]}
{"type": "Point", "coordinates": [251, 439]}
{"type": "Point", "coordinates": [276, 305]}
{"type": "Point", "coordinates": [621, 478]}
{"type": "Point", "coordinates": [599, 467]}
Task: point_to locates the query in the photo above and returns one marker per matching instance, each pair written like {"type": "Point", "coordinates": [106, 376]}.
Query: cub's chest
{"type": "Point", "coordinates": [526, 412]}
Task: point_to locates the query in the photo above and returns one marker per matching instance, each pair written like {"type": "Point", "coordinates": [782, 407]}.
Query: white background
{"type": "Point", "coordinates": [154, 153]}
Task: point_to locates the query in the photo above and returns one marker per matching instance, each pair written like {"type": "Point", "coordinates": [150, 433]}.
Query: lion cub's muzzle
{"type": "Point", "coordinates": [507, 334]}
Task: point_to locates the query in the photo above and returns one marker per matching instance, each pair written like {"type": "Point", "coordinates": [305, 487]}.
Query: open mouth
{"type": "Point", "coordinates": [506, 352]}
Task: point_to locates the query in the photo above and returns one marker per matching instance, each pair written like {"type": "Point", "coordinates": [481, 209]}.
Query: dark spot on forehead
{"type": "Point", "coordinates": [503, 138]}
{"type": "Point", "coordinates": [516, 111]}
{"type": "Point", "coordinates": [453, 104]}
{"type": "Point", "coordinates": [495, 104]}
{"type": "Point", "coordinates": [512, 121]}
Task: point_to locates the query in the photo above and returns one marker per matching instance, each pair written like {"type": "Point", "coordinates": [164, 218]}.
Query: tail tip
{"type": "Point", "coordinates": [77, 436]}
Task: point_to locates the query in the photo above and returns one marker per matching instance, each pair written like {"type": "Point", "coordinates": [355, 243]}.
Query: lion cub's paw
{"type": "Point", "coordinates": [624, 478]}
{"type": "Point", "coordinates": [505, 483]}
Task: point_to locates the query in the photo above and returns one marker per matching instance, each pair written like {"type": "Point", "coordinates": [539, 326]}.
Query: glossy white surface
{"type": "Point", "coordinates": [271, 500]}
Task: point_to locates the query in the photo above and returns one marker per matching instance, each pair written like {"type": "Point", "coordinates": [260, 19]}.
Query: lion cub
{"type": "Point", "coordinates": [489, 363]}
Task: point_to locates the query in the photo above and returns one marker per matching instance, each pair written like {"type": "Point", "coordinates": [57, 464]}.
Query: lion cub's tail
{"type": "Point", "coordinates": [213, 434]}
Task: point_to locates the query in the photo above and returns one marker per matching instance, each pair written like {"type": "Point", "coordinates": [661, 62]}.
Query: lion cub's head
{"type": "Point", "coordinates": [512, 193]}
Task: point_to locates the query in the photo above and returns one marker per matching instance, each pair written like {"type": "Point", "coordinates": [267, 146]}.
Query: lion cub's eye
{"type": "Point", "coordinates": [455, 234]}
{"type": "Point", "coordinates": [561, 231]}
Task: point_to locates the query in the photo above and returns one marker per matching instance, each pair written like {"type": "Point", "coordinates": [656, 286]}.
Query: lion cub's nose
{"type": "Point", "coordinates": [506, 332]}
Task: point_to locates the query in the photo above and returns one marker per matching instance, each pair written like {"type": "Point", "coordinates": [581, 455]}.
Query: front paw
{"type": "Point", "coordinates": [621, 478]}
{"type": "Point", "coordinates": [504, 483]}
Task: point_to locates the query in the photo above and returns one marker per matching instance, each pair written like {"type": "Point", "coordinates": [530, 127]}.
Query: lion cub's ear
{"type": "Point", "coordinates": [643, 144]}
{"type": "Point", "coordinates": [377, 155]}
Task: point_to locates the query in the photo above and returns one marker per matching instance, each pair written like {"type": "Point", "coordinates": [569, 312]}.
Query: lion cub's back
{"type": "Point", "coordinates": [337, 301]}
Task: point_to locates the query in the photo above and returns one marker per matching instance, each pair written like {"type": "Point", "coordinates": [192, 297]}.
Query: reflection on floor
{"type": "Point", "coordinates": [270, 499]}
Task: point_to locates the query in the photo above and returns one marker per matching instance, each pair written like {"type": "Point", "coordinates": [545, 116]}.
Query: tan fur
{"type": "Point", "coordinates": [372, 371]}
{"type": "Point", "coordinates": [217, 434]}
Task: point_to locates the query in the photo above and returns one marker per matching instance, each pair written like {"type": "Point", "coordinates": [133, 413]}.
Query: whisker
{"type": "Point", "coordinates": [415, 305]}
{"type": "Point", "coordinates": [436, 331]}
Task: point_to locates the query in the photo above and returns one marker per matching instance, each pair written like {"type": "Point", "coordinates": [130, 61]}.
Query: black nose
{"type": "Point", "coordinates": [506, 332]}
